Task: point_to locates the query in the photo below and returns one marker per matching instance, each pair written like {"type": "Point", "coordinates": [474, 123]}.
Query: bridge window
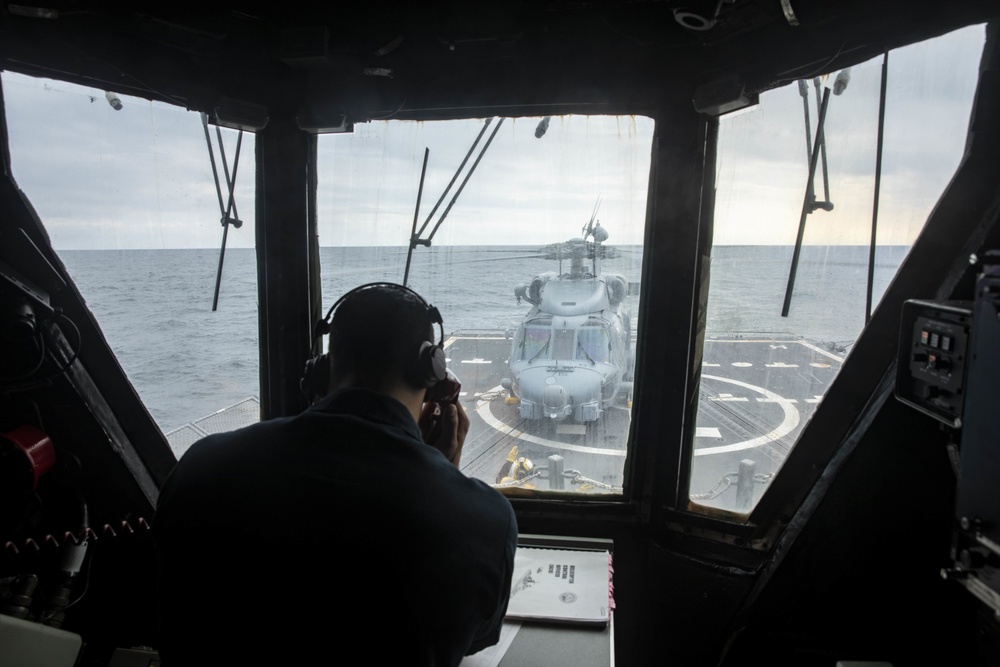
{"type": "Point", "coordinates": [128, 199]}
{"type": "Point", "coordinates": [526, 218]}
{"type": "Point", "coordinates": [781, 321]}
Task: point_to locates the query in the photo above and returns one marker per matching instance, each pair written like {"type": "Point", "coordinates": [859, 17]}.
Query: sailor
{"type": "Point", "coordinates": [302, 540]}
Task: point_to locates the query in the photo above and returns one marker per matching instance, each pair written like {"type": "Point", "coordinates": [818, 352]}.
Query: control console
{"type": "Point", "coordinates": [933, 351]}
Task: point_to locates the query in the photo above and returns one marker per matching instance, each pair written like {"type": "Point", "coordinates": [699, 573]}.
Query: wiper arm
{"type": "Point", "coordinates": [579, 346]}
{"type": "Point", "coordinates": [544, 347]}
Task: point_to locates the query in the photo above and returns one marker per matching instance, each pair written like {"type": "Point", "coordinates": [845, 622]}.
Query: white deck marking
{"type": "Point", "coordinates": [452, 339]}
{"type": "Point", "coordinates": [767, 340]}
{"type": "Point", "coordinates": [483, 409]}
{"type": "Point", "coordinates": [477, 360]}
{"type": "Point", "coordinates": [781, 364]}
{"type": "Point", "coordinates": [821, 351]}
{"type": "Point", "coordinates": [816, 399]}
{"type": "Point", "coordinates": [745, 340]}
{"type": "Point", "coordinates": [789, 422]}
{"type": "Point", "coordinates": [779, 347]}
{"type": "Point", "coordinates": [786, 426]}
{"type": "Point", "coordinates": [730, 397]}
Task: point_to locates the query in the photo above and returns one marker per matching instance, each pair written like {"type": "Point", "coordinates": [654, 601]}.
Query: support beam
{"type": "Point", "coordinates": [674, 285]}
{"type": "Point", "coordinates": [286, 230]}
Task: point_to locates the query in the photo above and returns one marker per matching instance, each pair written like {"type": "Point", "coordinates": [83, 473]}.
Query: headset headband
{"type": "Point", "coordinates": [426, 369]}
{"type": "Point", "coordinates": [323, 326]}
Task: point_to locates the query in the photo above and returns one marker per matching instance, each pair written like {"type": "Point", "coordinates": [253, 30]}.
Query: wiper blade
{"type": "Point", "coordinates": [544, 347]}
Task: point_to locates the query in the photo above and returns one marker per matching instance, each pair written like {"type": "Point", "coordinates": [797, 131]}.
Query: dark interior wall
{"type": "Point", "coordinates": [863, 579]}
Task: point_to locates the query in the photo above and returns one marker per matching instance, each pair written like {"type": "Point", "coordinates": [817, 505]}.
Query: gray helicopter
{"type": "Point", "coordinates": [571, 357]}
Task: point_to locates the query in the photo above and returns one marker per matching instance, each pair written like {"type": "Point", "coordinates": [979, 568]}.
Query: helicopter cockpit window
{"type": "Point", "coordinates": [562, 345]}
{"type": "Point", "coordinates": [535, 342]}
{"type": "Point", "coordinates": [593, 345]}
{"type": "Point", "coordinates": [527, 228]}
{"type": "Point", "coordinates": [125, 190]}
{"type": "Point", "coordinates": [782, 319]}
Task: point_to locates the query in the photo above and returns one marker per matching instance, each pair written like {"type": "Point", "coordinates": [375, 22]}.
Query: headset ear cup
{"type": "Point", "coordinates": [316, 378]}
{"type": "Point", "coordinates": [432, 366]}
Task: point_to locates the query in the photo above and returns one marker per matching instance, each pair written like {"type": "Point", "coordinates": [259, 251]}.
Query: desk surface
{"type": "Point", "coordinates": [561, 646]}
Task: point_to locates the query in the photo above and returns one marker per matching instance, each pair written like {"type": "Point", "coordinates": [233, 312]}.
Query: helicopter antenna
{"type": "Point", "coordinates": [589, 227]}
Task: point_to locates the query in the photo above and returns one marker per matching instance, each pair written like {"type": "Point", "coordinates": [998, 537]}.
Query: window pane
{"type": "Point", "coordinates": [533, 342]}
{"type": "Point", "coordinates": [542, 240]}
{"type": "Point", "coordinates": [593, 345]}
{"type": "Point", "coordinates": [764, 372]}
{"type": "Point", "coordinates": [128, 199]}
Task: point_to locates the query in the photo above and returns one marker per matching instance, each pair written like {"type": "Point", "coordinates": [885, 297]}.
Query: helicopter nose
{"type": "Point", "coordinates": [553, 399]}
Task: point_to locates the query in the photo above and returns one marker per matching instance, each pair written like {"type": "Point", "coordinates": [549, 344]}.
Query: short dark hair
{"type": "Point", "coordinates": [378, 331]}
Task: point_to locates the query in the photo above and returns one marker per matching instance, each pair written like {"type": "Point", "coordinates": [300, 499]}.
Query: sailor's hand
{"type": "Point", "coordinates": [444, 427]}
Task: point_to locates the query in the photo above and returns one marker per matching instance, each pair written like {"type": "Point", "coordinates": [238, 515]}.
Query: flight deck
{"type": "Point", "coordinates": [756, 395]}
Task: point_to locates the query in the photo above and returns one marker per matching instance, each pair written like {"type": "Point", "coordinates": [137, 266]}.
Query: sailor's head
{"type": "Point", "coordinates": [377, 335]}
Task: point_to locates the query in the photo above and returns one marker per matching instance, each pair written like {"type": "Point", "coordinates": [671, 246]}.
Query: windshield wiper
{"type": "Point", "coordinates": [579, 346]}
{"type": "Point", "coordinates": [544, 347]}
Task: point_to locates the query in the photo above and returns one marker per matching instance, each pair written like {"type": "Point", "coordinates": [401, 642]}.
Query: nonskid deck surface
{"type": "Point", "coordinates": [756, 394]}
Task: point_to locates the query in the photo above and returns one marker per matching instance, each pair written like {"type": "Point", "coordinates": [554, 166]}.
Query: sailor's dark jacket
{"type": "Point", "coordinates": [302, 539]}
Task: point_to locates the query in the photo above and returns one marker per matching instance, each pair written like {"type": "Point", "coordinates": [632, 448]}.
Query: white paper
{"type": "Point", "coordinates": [560, 585]}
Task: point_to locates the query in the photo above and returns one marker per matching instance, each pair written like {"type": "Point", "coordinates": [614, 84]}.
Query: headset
{"type": "Point", "coordinates": [425, 369]}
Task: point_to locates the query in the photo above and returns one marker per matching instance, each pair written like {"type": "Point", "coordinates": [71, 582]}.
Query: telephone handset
{"type": "Point", "coordinates": [443, 392]}
{"type": "Point", "coordinates": [446, 390]}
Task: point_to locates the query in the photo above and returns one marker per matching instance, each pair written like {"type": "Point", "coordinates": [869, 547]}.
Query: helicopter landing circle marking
{"type": "Point", "coordinates": [786, 426]}
{"type": "Point", "coordinates": [483, 410]}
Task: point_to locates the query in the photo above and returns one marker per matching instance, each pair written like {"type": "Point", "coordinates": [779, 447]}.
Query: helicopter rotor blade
{"type": "Point", "coordinates": [495, 259]}
{"type": "Point", "coordinates": [477, 250]}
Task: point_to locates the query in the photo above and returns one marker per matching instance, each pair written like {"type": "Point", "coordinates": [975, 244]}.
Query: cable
{"type": "Point", "coordinates": [76, 351]}
{"type": "Point", "coordinates": [88, 534]}
{"type": "Point", "coordinates": [61, 370]}
{"type": "Point", "coordinates": [38, 365]}
{"type": "Point", "coordinates": [392, 114]}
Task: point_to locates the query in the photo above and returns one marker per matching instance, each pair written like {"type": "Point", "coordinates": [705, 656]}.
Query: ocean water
{"type": "Point", "coordinates": [186, 361]}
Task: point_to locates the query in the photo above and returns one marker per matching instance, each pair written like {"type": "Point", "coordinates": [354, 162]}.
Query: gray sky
{"type": "Point", "coordinates": [141, 177]}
